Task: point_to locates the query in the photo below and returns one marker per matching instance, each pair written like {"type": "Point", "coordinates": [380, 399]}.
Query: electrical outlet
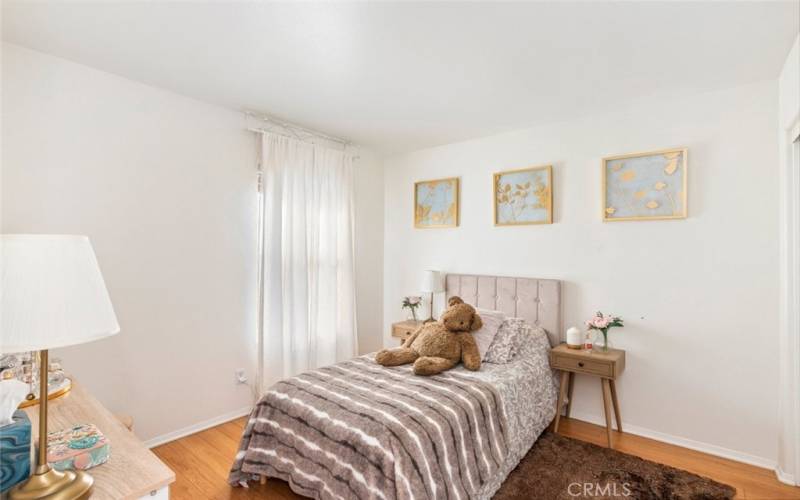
{"type": "Point", "coordinates": [241, 378]}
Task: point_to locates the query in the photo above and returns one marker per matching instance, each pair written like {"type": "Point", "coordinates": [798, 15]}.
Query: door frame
{"type": "Point", "coordinates": [788, 464]}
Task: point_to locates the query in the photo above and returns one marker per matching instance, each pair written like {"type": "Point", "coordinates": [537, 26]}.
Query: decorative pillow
{"type": "Point", "coordinates": [492, 320]}
{"type": "Point", "coordinates": [529, 339]}
{"type": "Point", "coordinates": [504, 346]}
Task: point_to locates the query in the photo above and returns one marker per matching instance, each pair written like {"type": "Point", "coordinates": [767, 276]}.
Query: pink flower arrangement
{"type": "Point", "coordinates": [604, 323]}
{"type": "Point", "coordinates": [412, 303]}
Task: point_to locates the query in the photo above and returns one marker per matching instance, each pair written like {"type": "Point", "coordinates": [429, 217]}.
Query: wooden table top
{"type": "Point", "coordinates": [132, 469]}
{"type": "Point", "coordinates": [612, 355]}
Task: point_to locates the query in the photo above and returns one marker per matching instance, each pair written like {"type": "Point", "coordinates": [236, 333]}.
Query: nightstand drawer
{"type": "Point", "coordinates": [569, 363]}
{"type": "Point", "coordinates": [402, 331]}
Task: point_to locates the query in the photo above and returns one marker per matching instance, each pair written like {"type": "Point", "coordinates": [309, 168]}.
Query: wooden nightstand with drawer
{"type": "Point", "coordinates": [605, 365]}
{"type": "Point", "coordinates": [404, 329]}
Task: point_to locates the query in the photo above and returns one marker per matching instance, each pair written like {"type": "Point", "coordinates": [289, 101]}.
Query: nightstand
{"type": "Point", "coordinates": [607, 366]}
{"type": "Point", "coordinates": [403, 329]}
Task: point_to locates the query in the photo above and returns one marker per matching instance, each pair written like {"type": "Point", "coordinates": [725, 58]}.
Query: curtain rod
{"type": "Point", "coordinates": [265, 131]}
{"type": "Point", "coordinates": [292, 127]}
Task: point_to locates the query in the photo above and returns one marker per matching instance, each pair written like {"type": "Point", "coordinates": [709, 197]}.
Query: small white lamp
{"type": "Point", "coordinates": [432, 283]}
{"type": "Point", "coordinates": [52, 295]}
{"type": "Point", "coordinates": [574, 338]}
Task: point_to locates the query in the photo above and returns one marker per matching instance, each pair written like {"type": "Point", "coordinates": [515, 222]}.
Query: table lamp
{"type": "Point", "coordinates": [432, 283]}
{"type": "Point", "coordinates": [52, 295]}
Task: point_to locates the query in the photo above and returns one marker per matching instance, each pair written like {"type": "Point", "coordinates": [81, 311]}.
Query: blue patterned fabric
{"type": "Point", "coordinates": [15, 460]}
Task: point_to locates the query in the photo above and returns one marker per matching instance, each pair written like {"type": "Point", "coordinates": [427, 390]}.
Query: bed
{"type": "Point", "coordinates": [357, 430]}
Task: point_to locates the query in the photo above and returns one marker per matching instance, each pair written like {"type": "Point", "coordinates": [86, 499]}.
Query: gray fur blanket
{"type": "Point", "coordinates": [360, 430]}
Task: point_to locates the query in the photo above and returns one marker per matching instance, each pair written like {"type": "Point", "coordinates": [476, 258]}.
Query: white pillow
{"type": "Point", "coordinates": [486, 334]}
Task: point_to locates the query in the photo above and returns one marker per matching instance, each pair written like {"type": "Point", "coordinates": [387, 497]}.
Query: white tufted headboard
{"type": "Point", "coordinates": [538, 301]}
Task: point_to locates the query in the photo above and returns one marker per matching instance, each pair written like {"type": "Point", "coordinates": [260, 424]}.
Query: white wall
{"type": "Point", "coordinates": [699, 296]}
{"type": "Point", "coordinates": [789, 88]}
{"type": "Point", "coordinates": [165, 188]}
{"type": "Point", "coordinates": [369, 250]}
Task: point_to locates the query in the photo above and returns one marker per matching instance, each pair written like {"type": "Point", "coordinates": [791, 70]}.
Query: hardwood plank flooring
{"type": "Point", "coordinates": [201, 463]}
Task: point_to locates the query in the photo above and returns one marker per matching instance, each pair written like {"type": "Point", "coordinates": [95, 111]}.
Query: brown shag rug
{"type": "Point", "coordinates": [558, 468]}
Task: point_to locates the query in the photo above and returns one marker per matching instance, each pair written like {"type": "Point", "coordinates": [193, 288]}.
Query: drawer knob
{"type": "Point", "coordinates": [580, 364]}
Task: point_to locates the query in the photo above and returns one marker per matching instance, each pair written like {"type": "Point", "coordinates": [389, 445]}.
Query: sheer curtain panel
{"type": "Point", "coordinates": [309, 310]}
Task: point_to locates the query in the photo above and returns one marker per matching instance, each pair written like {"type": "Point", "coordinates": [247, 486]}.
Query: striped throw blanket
{"type": "Point", "coordinates": [357, 430]}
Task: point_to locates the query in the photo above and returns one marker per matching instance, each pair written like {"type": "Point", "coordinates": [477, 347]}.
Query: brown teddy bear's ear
{"type": "Point", "coordinates": [455, 299]}
{"type": "Point", "coordinates": [477, 323]}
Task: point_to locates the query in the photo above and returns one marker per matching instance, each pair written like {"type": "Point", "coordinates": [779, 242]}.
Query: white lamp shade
{"type": "Point", "coordinates": [432, 282]}
{"type": "Point", "coordinates": [52, 294]}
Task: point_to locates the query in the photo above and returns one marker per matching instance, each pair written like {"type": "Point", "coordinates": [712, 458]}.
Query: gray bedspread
{"type": "Point", "coordinates": [357, 430]}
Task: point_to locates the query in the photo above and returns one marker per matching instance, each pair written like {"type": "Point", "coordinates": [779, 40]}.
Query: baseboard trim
{"type": "Point", "coordinates": [785, 477]}
{"type": "Point", "coordinates": [711, 449]}
{"type": "Point", "coordinates": [200, 426]}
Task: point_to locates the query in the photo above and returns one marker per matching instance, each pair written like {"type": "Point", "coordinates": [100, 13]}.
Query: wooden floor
{"type": "Point", "coordinates": [201, 463]}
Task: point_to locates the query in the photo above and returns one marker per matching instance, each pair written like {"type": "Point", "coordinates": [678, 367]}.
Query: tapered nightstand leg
{"type": "Point", "coordinates": [616, 404]}
{"type": "Point", "coordinates": [570, 386]}
{"type": "Point", "coordinates": [561, 392]}
{"type": "Point", "coordinates": [607, 407]}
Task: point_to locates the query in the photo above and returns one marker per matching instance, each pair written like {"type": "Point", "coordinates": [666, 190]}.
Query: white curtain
{"type": "Point", "coordinates": [309, 309]}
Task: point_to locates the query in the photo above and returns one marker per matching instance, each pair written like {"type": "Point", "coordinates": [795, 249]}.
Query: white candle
{"type": "Point", "coordinates": [574, 338]}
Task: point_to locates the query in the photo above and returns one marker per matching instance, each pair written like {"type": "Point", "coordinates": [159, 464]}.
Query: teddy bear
{"type": "Point", "coordinates": [440, 345]}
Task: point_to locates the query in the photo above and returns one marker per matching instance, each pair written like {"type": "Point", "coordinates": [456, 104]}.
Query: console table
{"type": "Point", "coordinates": [132, 470]}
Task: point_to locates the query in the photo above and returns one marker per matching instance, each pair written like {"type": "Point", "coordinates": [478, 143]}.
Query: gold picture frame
{"type": "Point", "coordinates": [439, 191]}
{"type": "Point", "coordinates": [651, 185]}
{"type": "Point", "coordinates": [510, 214]}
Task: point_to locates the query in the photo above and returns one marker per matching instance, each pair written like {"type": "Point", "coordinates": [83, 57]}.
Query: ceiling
{"type": "Point", "coordinates": [403, 76]}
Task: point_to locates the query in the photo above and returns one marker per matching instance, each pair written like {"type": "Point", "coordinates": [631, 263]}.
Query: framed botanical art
{"type": "Point", "coordinates": [523, 196]}
{"type": "Point", "coordinates": [436, 203]}
{"type": "Point", "coordinates": [645, 186]}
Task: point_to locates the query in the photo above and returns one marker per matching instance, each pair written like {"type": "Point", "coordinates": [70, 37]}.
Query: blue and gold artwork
{"type": "Point", "coordinates": [523, 196]}
{"type": "Point", "coordinates": [436, 203]}
{"type": "Point", "coordinates": [645, 186]}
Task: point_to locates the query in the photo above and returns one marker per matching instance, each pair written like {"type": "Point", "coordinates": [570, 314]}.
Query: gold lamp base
{"type": "Point", "coordinates": [48, 483]}
{"type": "Point", "coordinates": [51, 484]}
